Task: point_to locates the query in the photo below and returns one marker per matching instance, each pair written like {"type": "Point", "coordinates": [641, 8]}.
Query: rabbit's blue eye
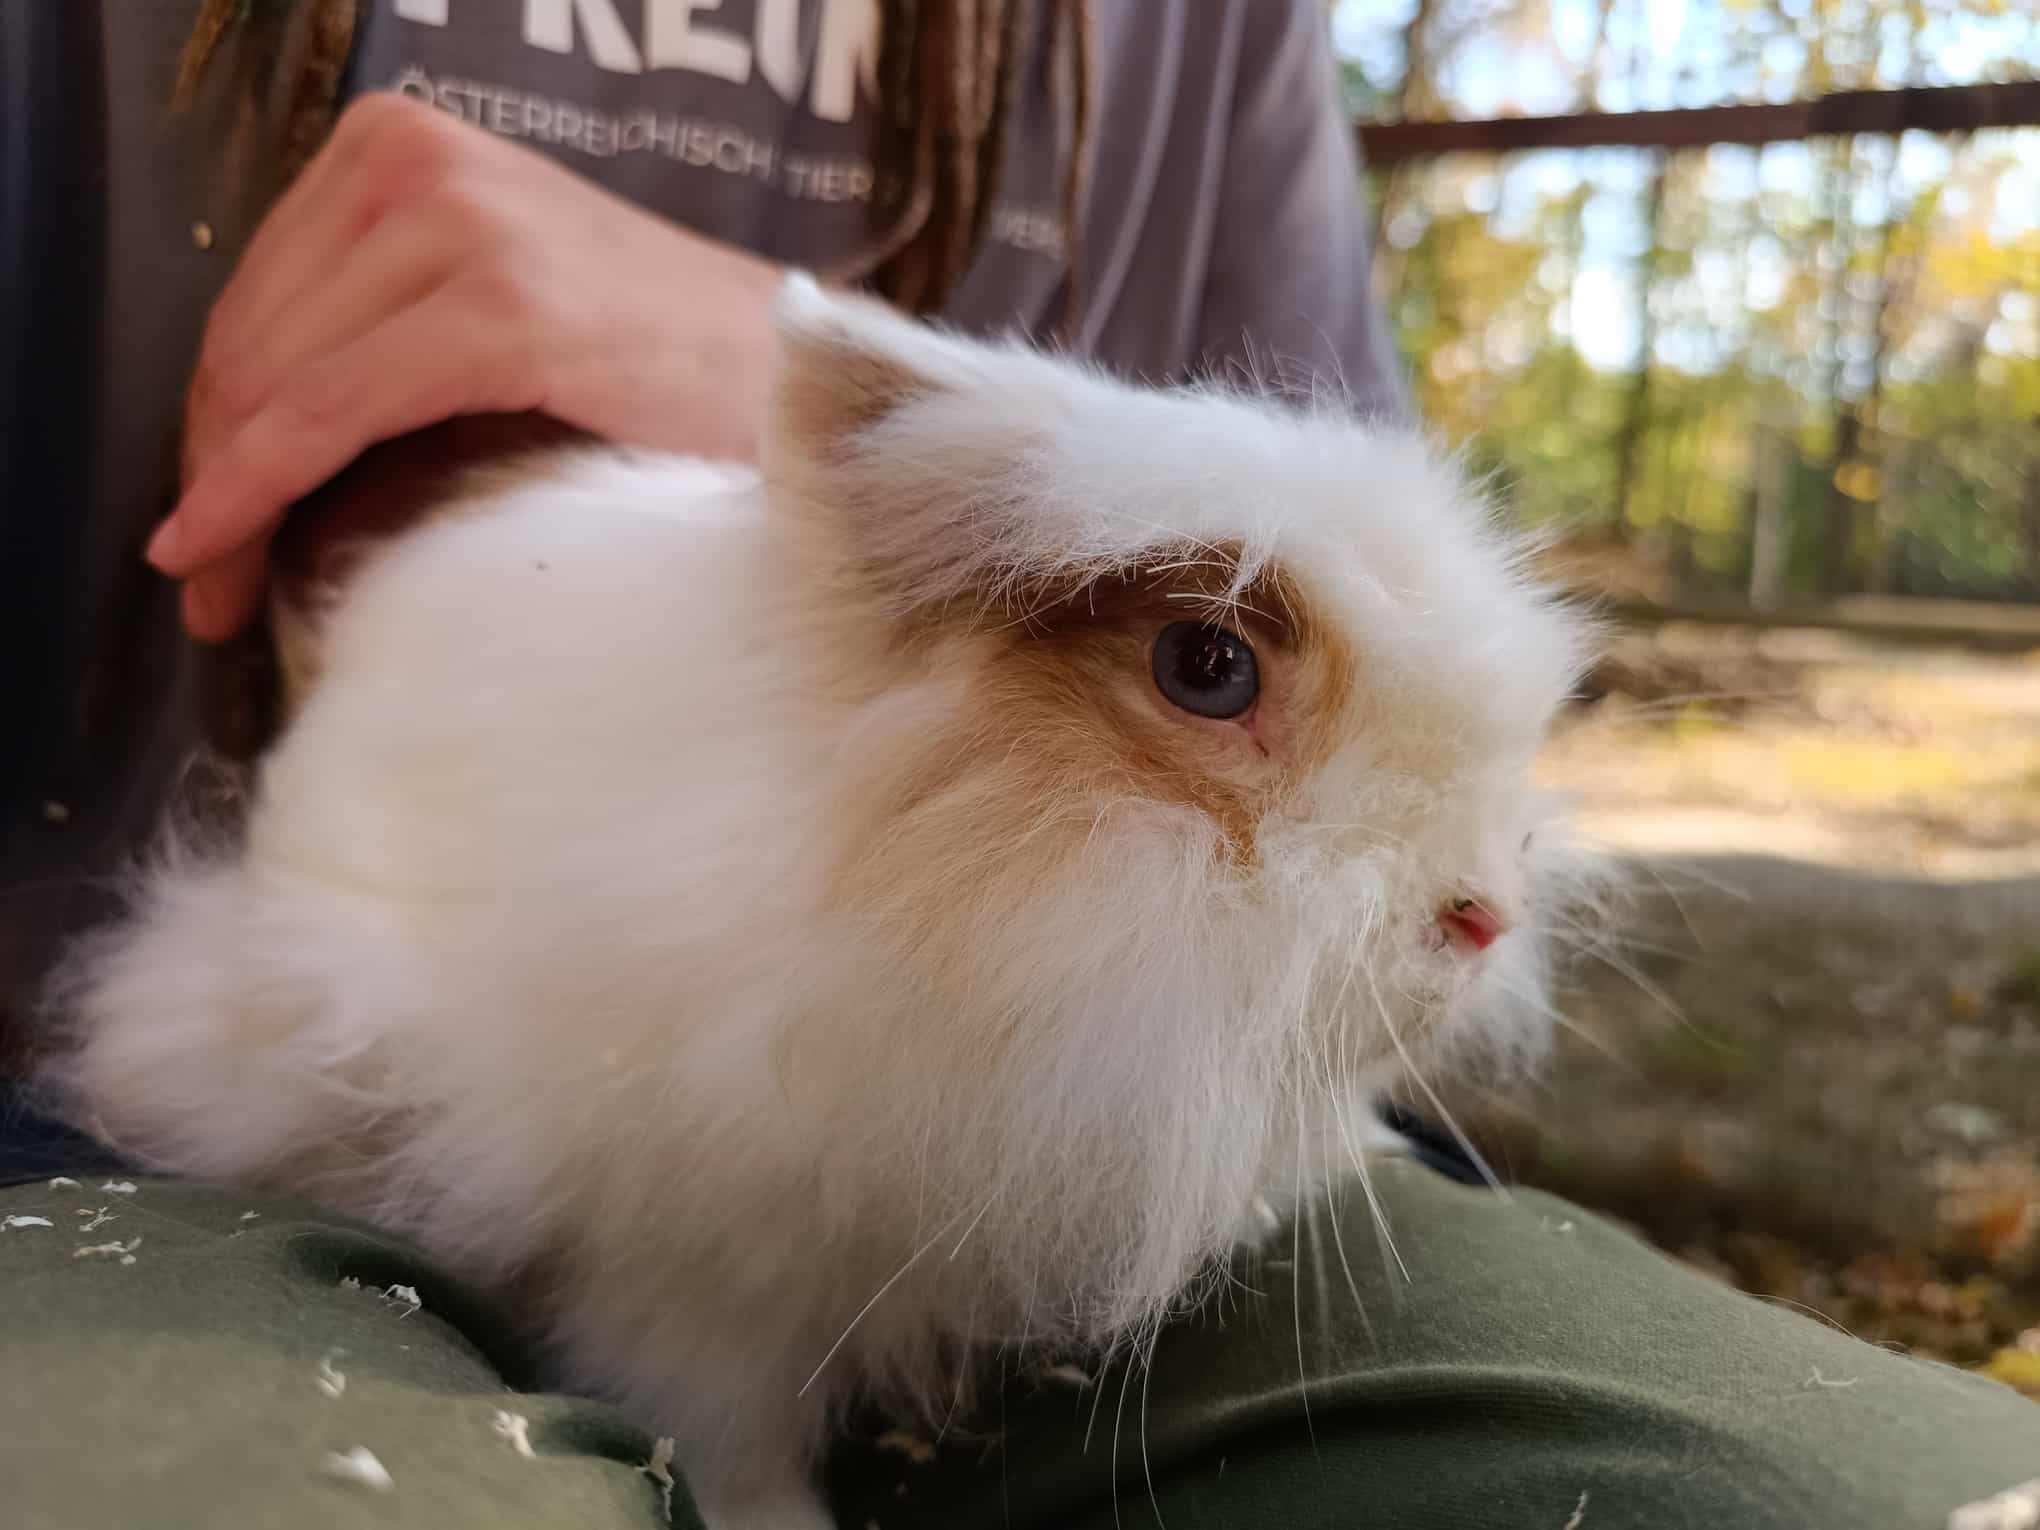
{"type": "Point", "coordinates": [1206, 670]}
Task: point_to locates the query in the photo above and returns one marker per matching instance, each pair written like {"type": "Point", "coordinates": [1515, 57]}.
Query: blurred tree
{"type": "Point", "coordinates": [1770, 374]}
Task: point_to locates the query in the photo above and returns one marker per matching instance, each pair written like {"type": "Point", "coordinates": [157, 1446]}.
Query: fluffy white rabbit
{"type": "Point", "coordinates": [792, 927]}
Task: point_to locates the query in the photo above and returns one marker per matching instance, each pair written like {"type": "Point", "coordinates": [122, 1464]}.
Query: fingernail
{"type": "Point", "coordinates": [166, 544]}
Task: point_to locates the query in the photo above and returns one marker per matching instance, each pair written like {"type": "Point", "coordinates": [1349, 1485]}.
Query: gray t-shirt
{"type": "Point", "coordinates": [1223, 207]}
{"type": "Point", "coordinates": [1222, 227]}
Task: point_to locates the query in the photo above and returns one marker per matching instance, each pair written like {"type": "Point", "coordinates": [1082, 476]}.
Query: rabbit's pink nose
{"type": "Point", "coordinates": [1471, 924]}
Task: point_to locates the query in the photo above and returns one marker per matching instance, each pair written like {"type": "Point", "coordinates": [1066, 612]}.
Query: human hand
{"type": "Point", "coordinates": [421, 270]}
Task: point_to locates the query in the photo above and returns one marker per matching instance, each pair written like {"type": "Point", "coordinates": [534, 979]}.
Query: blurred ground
{"type": "Point", "coordinates": [1820, 1076]}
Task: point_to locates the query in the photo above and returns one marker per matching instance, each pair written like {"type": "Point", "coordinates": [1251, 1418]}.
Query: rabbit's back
{"type": "Point", "coordinates": [547, 814]}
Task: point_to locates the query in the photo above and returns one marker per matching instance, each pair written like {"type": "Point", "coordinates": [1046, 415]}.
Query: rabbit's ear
{"type": "Point", "coordinates": [845, 364]}
{"type": "Point", "coordinates": [906, 448]}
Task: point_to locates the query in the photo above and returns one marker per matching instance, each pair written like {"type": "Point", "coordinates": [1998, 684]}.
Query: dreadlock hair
{"type": "Point", "coordinates": [948, 72]}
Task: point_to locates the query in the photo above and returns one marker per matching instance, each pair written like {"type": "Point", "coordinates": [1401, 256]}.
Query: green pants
{"type": "Point", "coordinates": [181, 1356]}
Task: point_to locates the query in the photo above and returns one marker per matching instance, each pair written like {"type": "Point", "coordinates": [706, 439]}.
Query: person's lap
{"type": "Point", "coordinates": [1535, 1362]}
{"type": "Point", "coordinates": [1535, 1366]}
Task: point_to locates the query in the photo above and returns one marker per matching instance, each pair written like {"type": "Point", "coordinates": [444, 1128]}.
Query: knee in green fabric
{"type": "Point", "coordinates": [1510, 1361]}
{"type": "Point", "coordinates": [180, 1355]}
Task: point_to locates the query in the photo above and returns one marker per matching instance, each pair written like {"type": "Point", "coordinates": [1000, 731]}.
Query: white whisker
{"type": "Point", "coordinates": [1444, 1111]}
{"type": "Point", "coordinates": [1296, 1288]}
{"type": "Point", "coordinates": [876, 1297]}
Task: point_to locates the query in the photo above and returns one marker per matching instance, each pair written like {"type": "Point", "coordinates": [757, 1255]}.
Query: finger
{"type": "Point", "coordinates": [387, 152]}
{"type": "Point", "coordinates": [310, 223]}
{"type": "Point", "coordinates": [218, 602]}
{"type": "Point", "coordinates": [443, 357]}
{"type": "Point", "coordinates": [245, 368]}
{"type": "Point", "coordinates": [260, 270]}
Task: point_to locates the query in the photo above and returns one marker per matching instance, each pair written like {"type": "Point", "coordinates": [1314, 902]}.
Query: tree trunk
{"type": "Point", "coordinates": [1771, 521]}
{"type": "Point", "coordinates": [1636, 416]}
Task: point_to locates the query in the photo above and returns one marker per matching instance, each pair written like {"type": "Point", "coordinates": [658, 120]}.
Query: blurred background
{"type": "Point", "coordinates": [1740, 299]}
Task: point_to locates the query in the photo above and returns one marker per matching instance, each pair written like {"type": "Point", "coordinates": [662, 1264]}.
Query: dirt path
{"type": "Point", "coordinates": [1819, 1075]}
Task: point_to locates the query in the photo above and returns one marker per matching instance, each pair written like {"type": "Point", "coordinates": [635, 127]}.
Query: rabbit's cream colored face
{"type": "Point", "coordinates": [1199, 668]}
{"type": "Point", "coordinates": [1245, 701]}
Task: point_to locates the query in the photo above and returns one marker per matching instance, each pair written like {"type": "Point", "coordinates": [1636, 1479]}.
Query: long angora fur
{"type": "Point", "coordinates": [698, 901]}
